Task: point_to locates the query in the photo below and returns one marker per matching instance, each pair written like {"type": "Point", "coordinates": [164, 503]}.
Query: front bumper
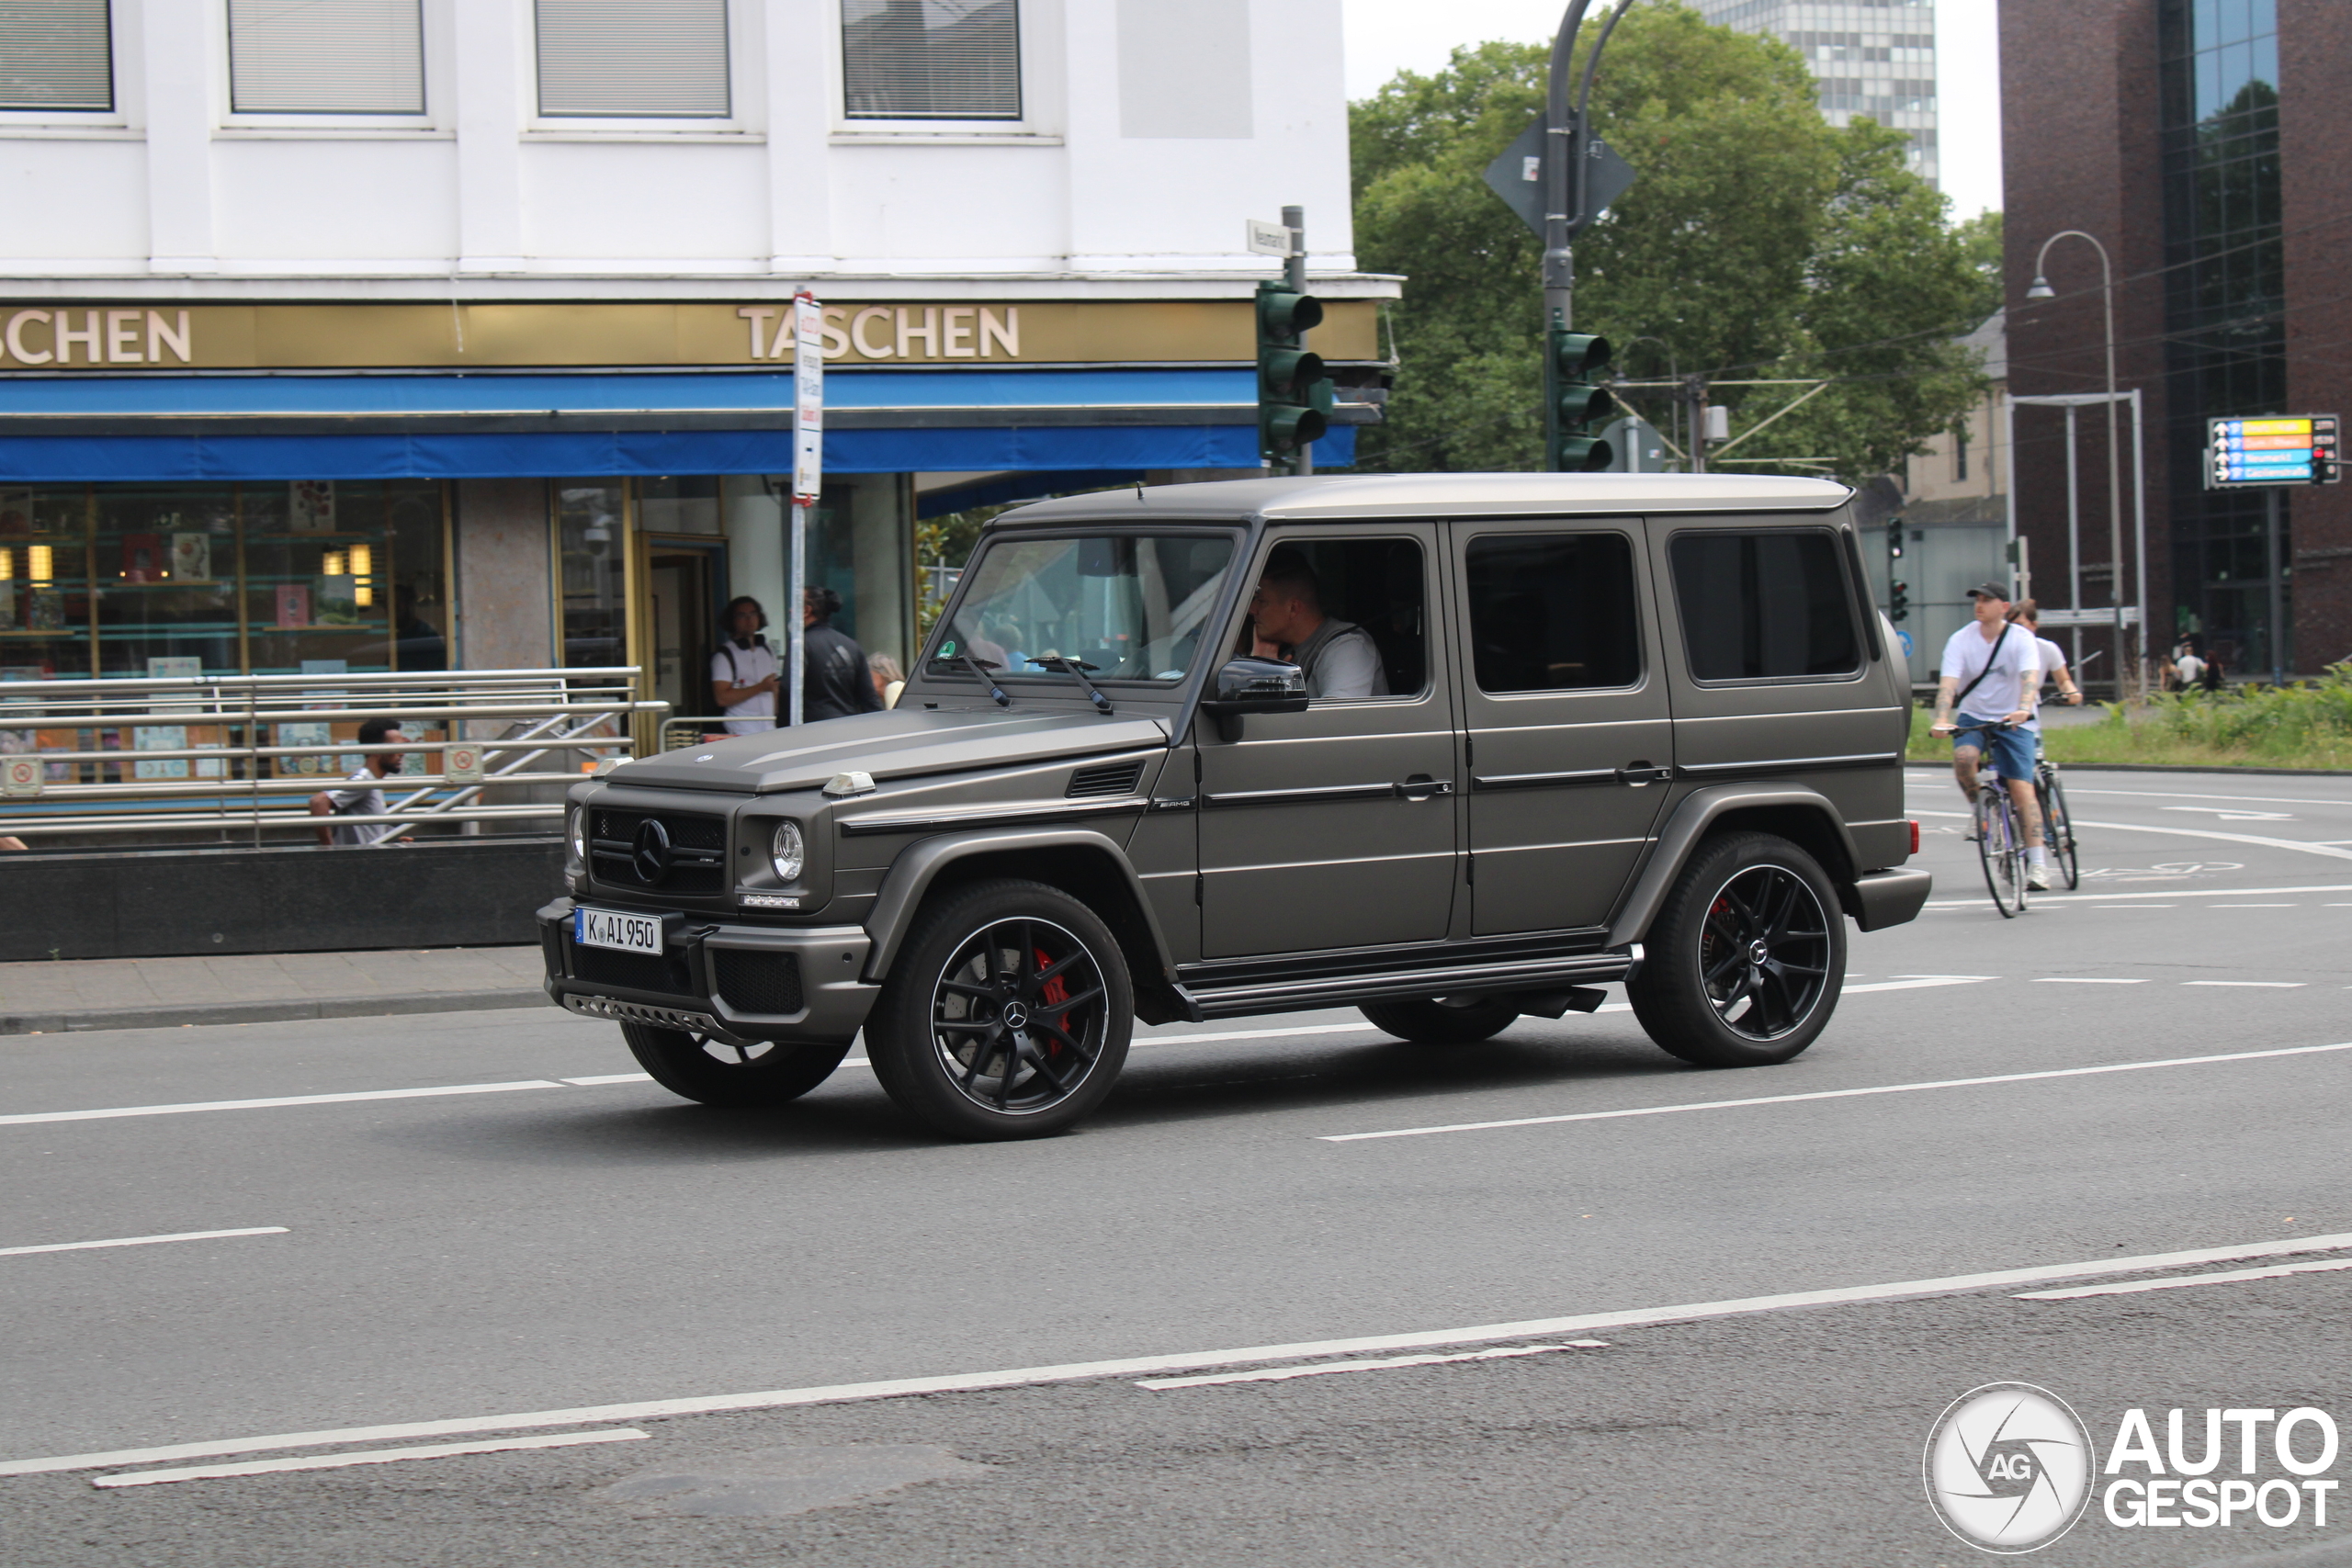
{"type": "Point", "coordinates": [736, 984]}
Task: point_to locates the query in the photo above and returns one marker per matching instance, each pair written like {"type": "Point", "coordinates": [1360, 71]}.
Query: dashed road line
{"type": "Point", "coordinates": [140, 1240]}
{"type": "Point", "coordinates": [1324, 1368]}
{"type": "Point", "coordinates": [25, 1118]}
{"type": "Point", "coordinates": [2133, 1287]}
{"type": "Point", "coordinates": [1486, 1333]}
{"type": "Point", "coordinates": [2081, 980]}
{"type": "Point", "coordinates": [368, 1456]}
{"type": "Point", "coordinates": [2253, 985]}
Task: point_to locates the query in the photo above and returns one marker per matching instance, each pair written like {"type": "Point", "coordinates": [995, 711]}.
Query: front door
{"type": "Point", "coordinates": [1570, 739]}
{"type": "Point", "coordinates": [683, 584]}
{"type": "Point", "coordinates": [1335, 828]}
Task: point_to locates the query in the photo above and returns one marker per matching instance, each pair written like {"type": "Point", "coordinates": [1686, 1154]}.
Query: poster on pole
{"type": "Point", "coordinates": [808, 398]}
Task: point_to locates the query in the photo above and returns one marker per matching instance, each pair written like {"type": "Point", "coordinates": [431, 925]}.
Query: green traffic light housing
{"type": "Point", "coordinates": [1572, 402]}
{"type": "Point", "coordinates": [1294, 398]}
{"type": "Point", "coordinates": [1283, 313]}
{"type": "Point", "coordinates": [1580, 357]}
{"type": "Point", "coordinates": [1289, 373]}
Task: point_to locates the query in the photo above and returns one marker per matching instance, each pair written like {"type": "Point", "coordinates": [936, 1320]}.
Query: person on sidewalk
{"type": "Point", "coordinates": [744, 680]}
{"type": "Point", "coordinates": [1990, 672]}
{"type": "Point", "coordinates": [835, 679]}
{"type": "Point", "coordinates": [889, 681]}
{"type": "Point", "coordinates": [363, 794]}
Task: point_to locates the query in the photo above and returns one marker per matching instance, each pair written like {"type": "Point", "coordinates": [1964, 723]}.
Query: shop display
{"type": "Point", "coordinates": [309, 506]}
{"type": "Point", "coordinates": [293, 604]}
{"type": "Point", "coordinates": [191, 557]}
{"type": "Point", "coordinates": [142, 557]}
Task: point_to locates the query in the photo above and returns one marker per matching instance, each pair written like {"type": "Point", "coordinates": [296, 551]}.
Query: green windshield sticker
{"type": "Point", "coordinates": [947, 649]}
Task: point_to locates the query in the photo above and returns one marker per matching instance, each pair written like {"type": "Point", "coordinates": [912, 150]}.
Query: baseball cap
{"type": "Point", "coordinates": [1986, 590]}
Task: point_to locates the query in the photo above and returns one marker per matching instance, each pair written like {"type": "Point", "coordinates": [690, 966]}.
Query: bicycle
{"type": "Point", "coordinates": [2057, 823]}
{"type": "Point", "coordinates": [2000, 837]}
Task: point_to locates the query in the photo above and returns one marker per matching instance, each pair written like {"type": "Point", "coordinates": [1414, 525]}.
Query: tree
{"type": "Point", "coordinates": [1759, 243]}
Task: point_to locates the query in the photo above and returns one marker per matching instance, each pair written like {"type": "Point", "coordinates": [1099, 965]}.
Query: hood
{"type": "Point", "coordinates": [902, 743]}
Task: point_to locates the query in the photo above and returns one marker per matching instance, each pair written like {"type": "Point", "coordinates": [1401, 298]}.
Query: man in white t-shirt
{"type": "Point", "coordinates": [1991, 670]}
{"type": "Point", "coordinates": [1286, 620]}
{"type": "Point", "coordinates": [744, 676]}
{"type": "Point", "coordinates": [2027, 614]}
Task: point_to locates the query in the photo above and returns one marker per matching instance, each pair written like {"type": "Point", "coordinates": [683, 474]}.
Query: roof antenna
{"type": "Point", "coordinates": [1139, 490]}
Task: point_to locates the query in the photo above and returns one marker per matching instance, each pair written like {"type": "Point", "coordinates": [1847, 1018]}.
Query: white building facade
{"type": "Point", "coordinates": [452, 329]}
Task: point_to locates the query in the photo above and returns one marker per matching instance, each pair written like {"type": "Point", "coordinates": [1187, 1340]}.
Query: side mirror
{"type": "Point", "coordinates": [1245, 686]}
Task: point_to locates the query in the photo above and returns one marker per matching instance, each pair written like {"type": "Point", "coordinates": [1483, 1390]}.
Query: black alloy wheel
{"type": "Point", "coordinates": [1007, 1015]}
{"type": "Point", "coordinates": [1746, 957]}
{"type": "Point", "coordinates": [737, 1078]}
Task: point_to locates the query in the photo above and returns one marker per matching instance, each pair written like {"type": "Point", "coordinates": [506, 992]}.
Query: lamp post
{"type": "Point", "coordinates": [2041, 290]}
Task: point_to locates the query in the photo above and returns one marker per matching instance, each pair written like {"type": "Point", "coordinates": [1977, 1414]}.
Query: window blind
{"type": "Point", "coordinates": [54, 54]}
{"type": "Point", "coordinates": [327, 56]}
{"type": "Point", "coordinates": [930, 58]}
{"type": "Point", "coordinates": [633, 58]}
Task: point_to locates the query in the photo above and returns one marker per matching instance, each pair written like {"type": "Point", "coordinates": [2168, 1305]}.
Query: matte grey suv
{"type": "Point", "coordinates": [1553, 731]}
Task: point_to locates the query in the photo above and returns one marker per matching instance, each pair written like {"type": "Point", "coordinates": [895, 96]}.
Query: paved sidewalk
{"type": "Point", "coordinates": [133, 993]}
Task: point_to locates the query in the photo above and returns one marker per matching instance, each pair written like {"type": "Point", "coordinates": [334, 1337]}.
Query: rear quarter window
{"type": "Point", "coordinates": [1764, 605]}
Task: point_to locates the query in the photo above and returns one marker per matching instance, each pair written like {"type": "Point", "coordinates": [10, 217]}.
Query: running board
{"type": "Point", "coordinates": [1343, 990]}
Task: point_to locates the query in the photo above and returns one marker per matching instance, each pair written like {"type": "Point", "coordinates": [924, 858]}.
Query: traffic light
{"type": "Point", "coordinates": [1898, 601]}
{"type": "Point", "coordinates": [1572, 402]}
{"type": "Point", "coordinates": [1895, 538]}
{"type": "Point", "coordinates": [1293, 393]}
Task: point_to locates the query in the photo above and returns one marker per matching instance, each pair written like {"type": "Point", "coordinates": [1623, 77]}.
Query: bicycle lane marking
{"type": "Point", "coordinates": [2327, 850]}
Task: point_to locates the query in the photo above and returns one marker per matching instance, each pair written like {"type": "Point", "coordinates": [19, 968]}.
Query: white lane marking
{"type": "Point", "coordinates": [1322, 1369]}
{"type": "Point", "coordinates": [1827, 1094]}
{"type": "Point", "coordinates": [2327, 850]}
{"type": "Point", "coordinates": [2184, 794]}
{"type": "Point", "coordinates": [2107, 900]}
{"type": "Point", "coordinates": [2081, 980]}
{"type": "Point", "coordinates": [2228, 815]}
{"type": "Point", "coordinates": [2147, 905]}
{"type": "Point", "coordinates": [1140, 1040]}
{"type": "Point", "coordinates": [599, 1080]}
{"type": "Point", "coordinates": [2257, 985]}
{"type": "Point", "coordinates": [2257, 906]}
{"type": "Point", "coordinates": [841, 1394]}
{"type": "Point", "coordinates": [371, 1456]}
{"type": "Point", "coordinates": [24, 1117]}
{"type": "Point", "coordinates": [2135, 1286]}
{"type": "Point", "coordinates": [141, 1240]}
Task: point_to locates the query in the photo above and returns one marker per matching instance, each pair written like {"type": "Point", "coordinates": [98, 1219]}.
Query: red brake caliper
{"type": "Point", "coordinates": [1057, 992]}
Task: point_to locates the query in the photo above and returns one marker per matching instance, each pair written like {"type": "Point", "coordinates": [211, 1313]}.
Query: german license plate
{"type": "Point", "coordinates": [610, 927]}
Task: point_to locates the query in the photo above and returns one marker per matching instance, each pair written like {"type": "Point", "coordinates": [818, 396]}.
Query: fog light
{"type": "Point", "coordinates": [788, 852]}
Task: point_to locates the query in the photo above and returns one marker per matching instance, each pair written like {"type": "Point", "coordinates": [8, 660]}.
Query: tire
{"type": "Point", "coordinates": [2058, 829]}
{"type": "Point", "coordinates": [1700, 995]}
{"type": "Point", "coordinates": [697, 1067]}
{"type": "Point", "coordinates": [948, 1038]}
{"type": "Point", "coordinates": [1998, 850]}
{"type": "Point", "coordinates": [1441, 1020]}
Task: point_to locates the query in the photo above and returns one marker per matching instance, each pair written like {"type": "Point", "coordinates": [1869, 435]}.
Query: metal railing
{"type": "Point", "coordinates": [173, 755]}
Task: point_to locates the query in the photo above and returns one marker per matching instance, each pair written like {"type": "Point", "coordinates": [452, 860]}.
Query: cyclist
{"type": "Point", "coordinates": [1991, 672]}
{"type": "Point", "coordinates": [2028, 613]}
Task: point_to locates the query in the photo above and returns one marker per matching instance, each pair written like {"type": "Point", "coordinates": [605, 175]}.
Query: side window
{"type": "Point", "coordinates": [1352, 613]}
{"type": "Point", "coordinates": [1553, 612]}
{"type": "Point", "coordinates": [1764, 607]}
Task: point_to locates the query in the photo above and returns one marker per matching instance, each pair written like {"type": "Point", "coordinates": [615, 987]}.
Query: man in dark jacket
{"type": "Point", "coordinates": [834, 679]}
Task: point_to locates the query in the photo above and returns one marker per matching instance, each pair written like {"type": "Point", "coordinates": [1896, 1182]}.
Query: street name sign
{"type": "Point", "coordinates": [1271, 239]}
{"type": "Point", "coordinates": [2271, 449]}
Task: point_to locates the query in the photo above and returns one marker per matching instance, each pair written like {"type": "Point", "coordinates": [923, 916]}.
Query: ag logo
{"type": "Point", "coordinates": [2008, 1467]}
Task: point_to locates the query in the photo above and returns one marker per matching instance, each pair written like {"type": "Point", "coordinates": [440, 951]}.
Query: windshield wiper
{"type": "Point", "coordinates": [1078, 669]}
{"type": "Point", "coordinates": [981, 667]}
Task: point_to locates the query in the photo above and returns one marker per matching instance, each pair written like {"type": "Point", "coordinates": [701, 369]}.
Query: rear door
{"type": "Point", "coordinates": [1570, 739]}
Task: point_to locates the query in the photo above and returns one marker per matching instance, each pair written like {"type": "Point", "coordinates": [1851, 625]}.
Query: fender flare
{"type": "Point", "coordinates": [1698, 812]}
{"type": "Point", "coordinates": [919, 866]}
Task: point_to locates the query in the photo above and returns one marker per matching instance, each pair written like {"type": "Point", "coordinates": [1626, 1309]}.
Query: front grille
{"type": "Point", "coordinates": [636, 971]}
{"type": "Point", "coordinates": [697, 850]}
{"type": "Point", "coordinates": [1105, 779]}
{"type": "Point", "coordinates": [749, 981]}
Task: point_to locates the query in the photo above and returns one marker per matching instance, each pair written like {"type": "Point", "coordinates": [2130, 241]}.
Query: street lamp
{"type": "Point", "coordinates": [2041, 290]}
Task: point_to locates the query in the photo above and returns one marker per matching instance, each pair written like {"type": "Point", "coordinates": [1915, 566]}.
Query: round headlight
{"type": "Point", "coordinates": [576, 830]}
{"type": "Point", "coordinates": [789, 851]}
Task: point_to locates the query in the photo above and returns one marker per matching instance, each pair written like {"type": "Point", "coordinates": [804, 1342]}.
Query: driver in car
{"type": "Point", "coordinates": [1339, 657]}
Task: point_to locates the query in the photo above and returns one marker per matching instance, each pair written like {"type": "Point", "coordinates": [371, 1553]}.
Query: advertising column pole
{"type": "Point", "coordinates": [807, 477]}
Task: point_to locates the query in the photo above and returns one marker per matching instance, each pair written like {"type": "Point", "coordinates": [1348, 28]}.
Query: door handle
{"type": "Point", "coordinates": [1640, 773]}
{"type": "Point", "coordinates": [1421, 786]}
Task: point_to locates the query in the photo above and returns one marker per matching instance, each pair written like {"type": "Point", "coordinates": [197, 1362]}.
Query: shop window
{"type": "Point", "coordinates": [326, 57]}
{"type": "Point", "coordinates": [632, 58]}
{"type": "Point", "coordinates": [45, 584]}
{"type": "Point", "coordinates": [1553, 613]}
{"type": "Point", "coordinates": [913, 60]}
{"type": "Point", "coordinates": [683, 505]}
{"type": "Point", "coordinates": [56, 54]}
{"type": "Point", "coordinates": [1764, 607]}
{"type": "Point", "coordinates": [332, 567]}
{"type": "Point", "coordinates": [592, 543]}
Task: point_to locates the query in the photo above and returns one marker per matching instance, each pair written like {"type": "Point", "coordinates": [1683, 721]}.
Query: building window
{"type": "Point", "coordinates": [326, 57]}
{"type": "Point", "coordinates": [56, 54]}
{"type": "Point", "coordinates": [633, 59]}
{"type": "Point", "coordinates": [930, 58]}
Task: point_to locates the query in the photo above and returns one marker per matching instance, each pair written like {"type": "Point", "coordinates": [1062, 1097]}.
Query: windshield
{"type": "Point", "coordinates": [1133, 606]}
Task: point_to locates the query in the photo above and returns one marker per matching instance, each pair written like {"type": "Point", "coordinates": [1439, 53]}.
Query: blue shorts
{"type": "Point", "coordinates": [2012, 748]}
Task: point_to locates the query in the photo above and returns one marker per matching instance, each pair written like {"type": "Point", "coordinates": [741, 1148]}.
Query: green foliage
{"type": "Point", "coordinates": [2306, 724]}
{"type": "Point", "coordinates": [1759, 243]}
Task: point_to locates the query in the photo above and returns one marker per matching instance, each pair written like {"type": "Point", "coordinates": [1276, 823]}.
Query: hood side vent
{"type": "Point", "coordinates": [1105, 779]}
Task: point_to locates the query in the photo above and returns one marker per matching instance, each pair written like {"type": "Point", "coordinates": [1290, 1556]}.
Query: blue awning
{"type": "Point", "coordinates": [64, 429]}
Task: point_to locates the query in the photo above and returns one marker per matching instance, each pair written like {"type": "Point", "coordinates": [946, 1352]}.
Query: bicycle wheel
{"type": "Point", "coordinates": [1997, 848]}
{"type": "Point", "coordinates": [2058, 826]}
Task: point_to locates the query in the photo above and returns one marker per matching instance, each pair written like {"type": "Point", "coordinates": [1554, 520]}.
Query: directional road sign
{"type": "Point", "coordinates": [2273, 449]}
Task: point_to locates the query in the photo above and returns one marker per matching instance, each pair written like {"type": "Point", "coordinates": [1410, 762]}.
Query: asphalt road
{"type": "Point", "coordinates": [567, 1261]}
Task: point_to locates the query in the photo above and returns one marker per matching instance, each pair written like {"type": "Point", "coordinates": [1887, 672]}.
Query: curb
{"type": "Point", "coordinates": [84, 1019]}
